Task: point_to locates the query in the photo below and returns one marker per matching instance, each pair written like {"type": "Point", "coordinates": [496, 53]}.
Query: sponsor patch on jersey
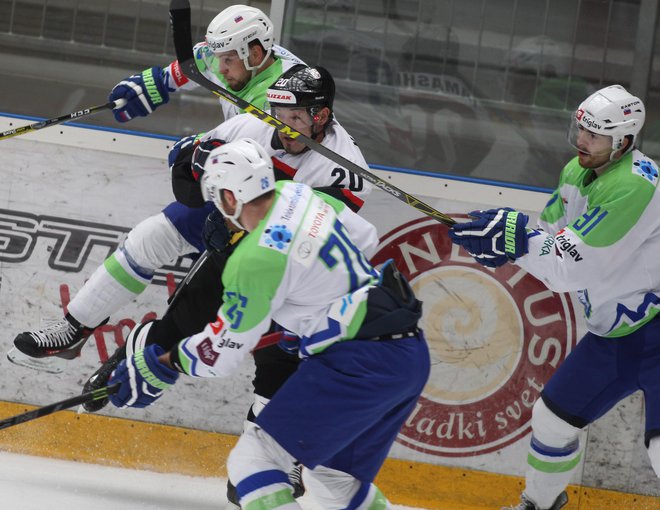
{"type": "Point", "coordinates": [277, 237]}
{"type": "Point", "coordinates": [647, 169]}
{"type": "Point", "coordinates": [287, 214]}
{"type": "Point", "coordinates": [314, 230]}
{"type": "Point", "coordinates": [224, 343]}
{"type": "Point", "coordinates": [564, 244]}
{"type": "Point", "coordinates": [217, 326]}
{"type": "Point", "coordinates": [546, 249]}
{"type": "Point", "coordinates": [206, 353]}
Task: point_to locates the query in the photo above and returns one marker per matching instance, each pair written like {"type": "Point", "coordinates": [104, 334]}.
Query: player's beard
{"type": "Point", "coordinates": [237, 85]}
{"type": "Point", "coordinates": [592, 161]}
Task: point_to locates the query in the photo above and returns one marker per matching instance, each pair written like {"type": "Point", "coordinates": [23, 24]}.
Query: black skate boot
{"type": "Point", "coordinates": [526, 503]}
{"type": "Point", "coordinates": [295, 477]}
{"type": "Point", "coordinates": [99, 379]}
{"type": "Point", "coordinates": [63, 339]}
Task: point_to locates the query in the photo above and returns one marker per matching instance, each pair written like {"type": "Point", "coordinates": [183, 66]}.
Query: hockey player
{"type": "Point", "coordinates": [600, 237]}
{"type": "Point", "coordinates": [238, 53]}
{"type": "Point", "coordinates": [304, 97]}
{"type": "Point", "coordinates": [365, 361]}
{"type": "Point", "coordinates": [176, 231]}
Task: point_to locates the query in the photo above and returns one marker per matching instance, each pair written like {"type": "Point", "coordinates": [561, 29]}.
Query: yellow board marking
{"type": "Point", "coordinates": [167, 449]}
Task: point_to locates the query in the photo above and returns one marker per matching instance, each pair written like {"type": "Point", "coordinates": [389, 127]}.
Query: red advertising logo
{"type": "Point", "coordinates": [496, 337]}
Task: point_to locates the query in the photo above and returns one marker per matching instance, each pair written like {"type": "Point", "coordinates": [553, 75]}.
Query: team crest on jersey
{"type": "Point", "coordinates": [646, 169]}
{"type": "Point", "coordinates": [495, 336]}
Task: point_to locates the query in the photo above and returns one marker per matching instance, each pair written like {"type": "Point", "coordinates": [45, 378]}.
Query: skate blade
{"type": "Point", "coordinates": [52, 365]}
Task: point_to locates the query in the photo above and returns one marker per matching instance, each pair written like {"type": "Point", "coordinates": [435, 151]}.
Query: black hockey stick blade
{"type": "Point", "coordinates": [58, 120]}
{"type": "Point", "coordinates": [181, 30]}
{"type": "Point", "coordinates": [40, 412]}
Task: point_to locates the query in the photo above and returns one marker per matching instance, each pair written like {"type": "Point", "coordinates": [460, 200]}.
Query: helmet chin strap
{"type": "Point", "coordinates": [233, 217]}
{"type": "Point", "coordinates": [255, 69]}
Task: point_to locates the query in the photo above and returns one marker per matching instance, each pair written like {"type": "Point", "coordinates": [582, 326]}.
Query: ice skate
{"type": "Point", "coordinates": [526, 504]}
{"type": "Point", "coordinates": [49, 348]}
{"type": "Point", "coordinates": [295, 477]}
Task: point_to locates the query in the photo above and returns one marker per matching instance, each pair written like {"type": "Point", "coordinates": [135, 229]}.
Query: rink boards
{"type": "Point", "coordinates": [68, 197]}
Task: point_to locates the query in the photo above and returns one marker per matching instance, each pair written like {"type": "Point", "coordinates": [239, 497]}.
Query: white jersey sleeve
{"type": "Point", "coordinates": [608, 249]}
{"type": "Point", "coordinates": [309, 167]}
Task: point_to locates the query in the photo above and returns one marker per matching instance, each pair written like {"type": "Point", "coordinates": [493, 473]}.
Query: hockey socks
{"type": "Point", "coordinates": [113, 285]}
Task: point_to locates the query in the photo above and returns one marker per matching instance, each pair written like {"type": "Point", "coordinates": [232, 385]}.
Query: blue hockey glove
{"type": "Point", "coordinates": [143, 94]}
{"type": "Point", "coordinates": [201, 154]}
{"type": "Point", "coordinates": [494, 237]}
{"type": "Point", "coordinates": [215, 233]}
{"type": "Point", "coordinates": [142, 377]}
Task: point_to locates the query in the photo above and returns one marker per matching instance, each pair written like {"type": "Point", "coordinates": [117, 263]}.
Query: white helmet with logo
{"type": "Point", "coordinates": [242, 167]}
{"type": "Point", "coordinates": [236, 27]}
{"type": "Point", "coordinates": [611, 111]}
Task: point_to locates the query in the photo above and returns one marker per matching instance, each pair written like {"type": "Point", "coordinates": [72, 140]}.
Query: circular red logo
{"type": "Point", "coordinates": [495, 336]}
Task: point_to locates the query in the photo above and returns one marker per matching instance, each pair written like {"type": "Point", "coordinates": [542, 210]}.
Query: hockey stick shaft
{"type": "Point", "coordinates": [98, 394]}
{"type": "Point", "coordinates": [58, 120]}
{"type": "Point", "coordinates": [181, 30]}
{"type": "Point", "coordinates": [101, 393]}
{"type": "Point", "coordinates": [186, 280]}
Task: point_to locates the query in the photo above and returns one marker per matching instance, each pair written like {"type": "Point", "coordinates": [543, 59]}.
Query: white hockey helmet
{"type": "Point", "coordinates": [611, 111]}
{"type": "Point", "coordinates": [242, 167]}
{"type": "Point", "coordinates": [236, 27]}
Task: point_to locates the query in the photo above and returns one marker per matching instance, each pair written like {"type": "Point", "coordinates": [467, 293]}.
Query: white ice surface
{"type": "Point", "coordinates": [37, 483]}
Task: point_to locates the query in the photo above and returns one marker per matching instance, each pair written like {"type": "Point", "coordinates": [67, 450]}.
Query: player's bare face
{"type": "Point", "coordinates": [593, 149]}
{"type": "Point", "coordinates": [233, 70]}
{"type": "Point", "coordinates": [300, 120]}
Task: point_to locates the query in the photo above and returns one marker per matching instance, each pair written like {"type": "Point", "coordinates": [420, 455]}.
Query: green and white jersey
{"type": "Point", "coordinates": [254, 91]}
{"type": "Point", "coordinates": [606, 243]}
{"type": "Point", "coordinates": [304, 266]}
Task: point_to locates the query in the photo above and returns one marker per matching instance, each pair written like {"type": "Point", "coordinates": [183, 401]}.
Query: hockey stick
{"type": "Point", "coordinates": [183, 283]}
{"type": "Point", "coordinates": [101, 393]}
{"type": "Point", "coordinates": [98, 394]}
{"type": "Point", "coordinates": [58, 120]}
{"type": "Point", "coordinates": [181, 30]}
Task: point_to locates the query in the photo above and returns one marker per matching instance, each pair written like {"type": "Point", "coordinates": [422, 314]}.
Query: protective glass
{"type": "Point", "coordinates": [297, 118]}
{"type": "Point", "coordinates": [587, 141]}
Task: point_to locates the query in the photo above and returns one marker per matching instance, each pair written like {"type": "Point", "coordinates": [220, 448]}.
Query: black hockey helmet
{"type": "Point", "coordinates": [300, 86]}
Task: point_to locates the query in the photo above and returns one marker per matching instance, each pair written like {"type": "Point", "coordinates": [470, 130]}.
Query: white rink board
{"type": "Point", "coordinates": [51, 189]}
